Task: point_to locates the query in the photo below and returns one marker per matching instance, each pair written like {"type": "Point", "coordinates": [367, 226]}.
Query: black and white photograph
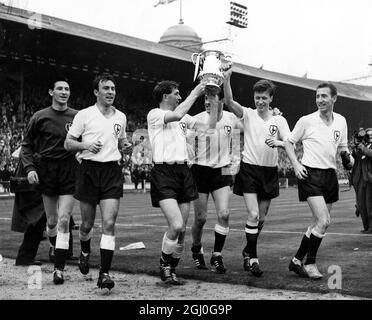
{"type": "Point", "coordinates": [185, 155]}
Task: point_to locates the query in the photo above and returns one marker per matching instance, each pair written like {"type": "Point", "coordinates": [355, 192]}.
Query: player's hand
{"type": "Point", "coordinates": [300, 172]}
{"type": "Point", "coordinates": [199, 89]}
{"type": "Point", "coordinates": [227, 74]}
{"type": "Point", "coordinates": [226, 63]}
{"type": "Point", "coordinates": [94, 147]}
{"type": "Point", "coordinates": [276, 112]}
{"type": "Point", "coordinates": [271, 142]}
{"type": "Point", "coordinates": [32, 177]}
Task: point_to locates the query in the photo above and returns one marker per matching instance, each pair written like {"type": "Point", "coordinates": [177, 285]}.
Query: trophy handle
{"type": "Point", "coordinates": [193, 57]}
{"type": "Point", "coordinates": [197, 62]}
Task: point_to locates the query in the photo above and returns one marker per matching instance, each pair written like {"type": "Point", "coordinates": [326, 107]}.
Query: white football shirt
{"type": "Point", "coordinates": [168, 140]}
{"type": "Point", "coordinates": [92, 125]}
{"type": "Point", "coordinates": [320, 142]}
{"type": "Point", "coordinates": [213, 148]}
{"type": "Point", "coordinates": [256, 131]}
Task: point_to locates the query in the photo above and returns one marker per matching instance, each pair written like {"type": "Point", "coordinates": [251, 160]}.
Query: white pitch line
{"type": "Point", "coordinates": [129, 225]}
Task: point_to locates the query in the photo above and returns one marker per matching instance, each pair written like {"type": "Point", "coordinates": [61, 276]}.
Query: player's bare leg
{"type": "Point", "coordinates": [88, 215]}
{"type": "Point", "coordinates": [251, 233]}
{"type": "Point", "coordinates": [50, 206]}
{"type": "Point", "coordinates": [109, 212]}
{"type": "Point", "coordinates": [65, 207]}
{"type": "Point", "coordinates": [321, 216]}
{"type": "Point", "coordinates": [221, 229]}
{"type": "Point", "coordinates": [200, 218]}
{"type": "Point", "coordinates": [176, 225]}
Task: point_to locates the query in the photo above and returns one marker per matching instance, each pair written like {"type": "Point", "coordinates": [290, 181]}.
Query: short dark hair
{"type": "Point", "coordinates": [102, 77]}
{"type": "Point", "coordinates": [264, 85]}
{"type": "Point", "coordinates": [220, 94]}
{"type": "Point", "coordinates": [329, 85]}
{"type": "Point", "coordinates": [164, 87]}
{"type": "Point", "coordinates": [53, 82]}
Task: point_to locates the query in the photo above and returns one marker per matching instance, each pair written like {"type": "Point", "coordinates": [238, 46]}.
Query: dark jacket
{"type": "Point", "coordinates": [28, 206]}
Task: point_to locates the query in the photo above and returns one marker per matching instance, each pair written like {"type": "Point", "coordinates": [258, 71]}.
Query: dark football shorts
{"type": "Point", "coordinates": [210, 179]}
{"type": "Point", "coordinates": [172, 181]}
{"type": "Point", "coordinates": [98, 181]}
{"type": "Point", "coordinates": [263, 181]}
{"type": "Point", "coordinates": [320, 182]}
{"type": "Point", "coordinates": [57, 176]}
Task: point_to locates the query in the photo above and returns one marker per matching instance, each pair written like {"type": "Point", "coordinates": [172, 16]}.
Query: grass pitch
{"type": "Point", "coordinates": [345, 253]}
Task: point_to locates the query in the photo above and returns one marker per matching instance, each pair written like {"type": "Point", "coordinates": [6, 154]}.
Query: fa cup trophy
{"type": "Point", "coordinates": [209, 65]}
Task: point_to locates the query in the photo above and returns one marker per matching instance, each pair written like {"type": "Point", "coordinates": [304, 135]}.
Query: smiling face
{"type": "Point", "coordinates": [60, 92]}
{"type": "Point", "coordinates": [324, 99]}
{"type": "Point", "coordinates": [262, 100]}
{"type": "Point", "coordinates": [106, 93]}
{"type": "Point", "coordinates": [173, 99]}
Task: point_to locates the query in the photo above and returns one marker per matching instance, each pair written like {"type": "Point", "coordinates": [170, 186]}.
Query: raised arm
{"type": "Point", "coordinates": [178, 113]}
{"type": "Point", "coordinates": [213, 115]}
{"type": "Point", "coordinates": [233, 106]}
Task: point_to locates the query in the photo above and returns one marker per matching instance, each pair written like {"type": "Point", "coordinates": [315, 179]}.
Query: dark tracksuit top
{"type": "Point", "coordinates": [45, 136]}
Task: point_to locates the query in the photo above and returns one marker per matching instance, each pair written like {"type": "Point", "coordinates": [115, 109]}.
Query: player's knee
{"type": "Point", "coordinates": [84, 231]}
{"type": "Point", "coordinates": [86, 225]}
{"type": "Point", "coordinates": [108, 225]}
{"type": "Point", "coordinates": [200, 220]}
{"type": "Point", "coordinates": [323, 224]}
{"type": "Point", "coordinates": [66, 212]}
{"type": "Point", "coordinates": [52, 221]}
{"type": "Point", "coordinates": [253, 216]}
{"type": "Point", "coordinates": [51, 225]}
{"type": "Point", "coordinates": [177, 227]}
{"type": "Point", "coordinates": [223, 215]}
{"type": "Point", "coordinates": [63, 223]}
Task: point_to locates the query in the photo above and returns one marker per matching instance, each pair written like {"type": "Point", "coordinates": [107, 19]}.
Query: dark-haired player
{"type": "Point", "coordinates": [48, 164]}
{"type": "Point", "coordinates": [257, 180]}
{"type": "Point", "coordinates": [101, 128]}
{"type": "Point", "coordinates": [323, 133]}
{"type": "Point", "coordinates": [172, 184]}
{"type": "Point", "coordinates": [212, 176]}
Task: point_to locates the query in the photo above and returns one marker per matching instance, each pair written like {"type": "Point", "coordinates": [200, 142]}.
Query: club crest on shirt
{"type": "Point", "coordinates": [273, 129]}
{"type": "Point", "coordinates": [68, 126]}
{"type": "Point", "coordinates": [183, 127]}
{"type": "Point", "coordinates": [227, 130]}
{"type": "Point", "coordinates": [336, 135]}
{"type": "Point", "coordinates": [117, 128]}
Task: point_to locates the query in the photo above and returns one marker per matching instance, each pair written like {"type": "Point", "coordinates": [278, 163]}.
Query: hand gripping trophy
{"type": "Point", "coordinates": [209, 66]}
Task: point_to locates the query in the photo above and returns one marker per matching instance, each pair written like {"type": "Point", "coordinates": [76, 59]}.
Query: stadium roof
{"type": "Point", "coordinates": [347, 90]}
